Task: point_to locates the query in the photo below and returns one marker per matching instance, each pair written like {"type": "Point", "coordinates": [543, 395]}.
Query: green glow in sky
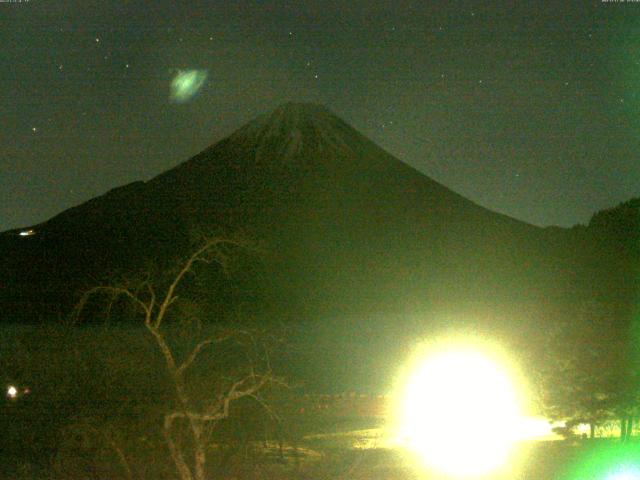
{"type": "Point", "coordinates": [186, 83]}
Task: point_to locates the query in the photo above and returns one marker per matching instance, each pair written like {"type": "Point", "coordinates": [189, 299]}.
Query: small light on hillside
{"type": "Point", "coordinates": [27, 233]}
{"type": "Point", "coordinates": [12, 392]}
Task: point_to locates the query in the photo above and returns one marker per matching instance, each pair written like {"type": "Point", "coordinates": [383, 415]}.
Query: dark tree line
{"type": "Point", "coordinates": [591, 373]}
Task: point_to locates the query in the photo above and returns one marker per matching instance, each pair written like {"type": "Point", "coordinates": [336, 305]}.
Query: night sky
{"type": "Point", "coordinates": [527, 108]}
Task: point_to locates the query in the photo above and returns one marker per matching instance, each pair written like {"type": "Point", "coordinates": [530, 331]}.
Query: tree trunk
{"type": "Point", "coordinates": [183, 469]}
{"type": "Point", "coordinates": [200, 460]}
{"type": "Point", "coordinates": [200, 453]}
{"type": "Point", "coordinates": [623, 429]}
{"type": "Point", "coordinates": [592, 430]}
{"type": "Point", "coordinates": [629, 427]}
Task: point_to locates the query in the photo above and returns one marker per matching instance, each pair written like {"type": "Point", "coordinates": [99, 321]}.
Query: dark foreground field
{"type": "Point", "coordinates": [97, 397]}
{"type": "Point", "coordinates": [536, 460]}
{"type": "Point", "coordinates": [329, 457]}
{"type": "Point", "coordinates": [336, 455]}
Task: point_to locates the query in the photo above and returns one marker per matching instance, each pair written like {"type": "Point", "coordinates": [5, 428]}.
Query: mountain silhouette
{"type": "Point", "coordinates": [345, 228]}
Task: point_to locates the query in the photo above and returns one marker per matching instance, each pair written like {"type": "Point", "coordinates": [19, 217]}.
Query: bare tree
{"type": "Point", "coordinates": [153, 300]}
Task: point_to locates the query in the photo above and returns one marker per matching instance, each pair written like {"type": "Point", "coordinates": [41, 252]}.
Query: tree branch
{"type": "Point", "coordinates": [114, 292]}
{"type": "Point", "coordinates": [176, 454]}
{"type": "Point", "coordinates": [154, 301]}
{"type": "Point", "coordinates": [198, 255]}
{"type": "Point", "coordinates": [194, 353]}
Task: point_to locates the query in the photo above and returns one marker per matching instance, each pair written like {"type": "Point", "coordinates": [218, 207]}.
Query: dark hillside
{"type": "Point", "coordinates": [345, 226]}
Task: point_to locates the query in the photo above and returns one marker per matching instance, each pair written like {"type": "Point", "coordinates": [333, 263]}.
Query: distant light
{"type": "Point", "coordinates": [583, 428]}
{"type": "Point", "coordinates": [27, 233]}
{"type": "Point", "coordinates": [12, 392]}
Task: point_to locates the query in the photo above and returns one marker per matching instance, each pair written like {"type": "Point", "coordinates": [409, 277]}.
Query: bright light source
{"type": "Point", "coordinates": [460, 411]}
{"type": "Point", "coordinates": [27, 233]}
{"type": "Point", "coordinates": [606, 461]}
{"type": "Point", "coordinates": [186, 83]}
{"type": "Point", "coordinates": [624, 472]}
{"type": "Point", "coordinates": [12, 392]}
{"type": "Point", "coordinates": [534, 428]}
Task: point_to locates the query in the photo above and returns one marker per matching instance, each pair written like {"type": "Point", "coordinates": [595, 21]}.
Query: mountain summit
{"type": "Point", "coordinates": [346, 227]}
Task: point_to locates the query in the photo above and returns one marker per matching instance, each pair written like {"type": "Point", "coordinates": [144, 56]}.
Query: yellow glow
{"type": "Point", "coordinates": [583, 428]}
{"type": "Point", "coordinates": [460, 411]}
{"type": "Point", "coordinates": [12, 392]}
{"type": "Point", "coordinates": [535, 428]}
